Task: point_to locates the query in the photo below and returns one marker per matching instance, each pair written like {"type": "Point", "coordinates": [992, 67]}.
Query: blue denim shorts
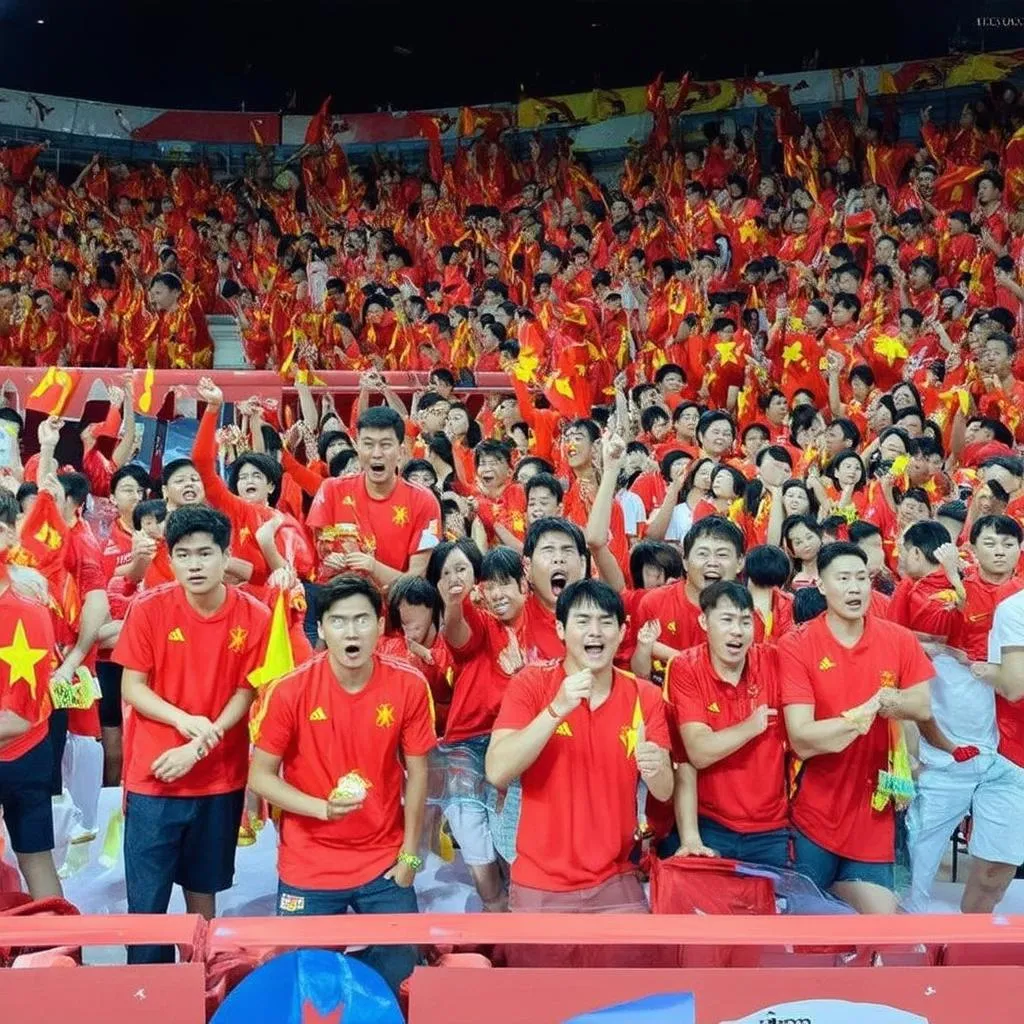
{"type": "Point", "coordinates": [825, 868]}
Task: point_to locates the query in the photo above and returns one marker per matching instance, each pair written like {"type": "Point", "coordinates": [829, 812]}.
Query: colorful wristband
{"type": "Point", "coordinates": [410, 860]}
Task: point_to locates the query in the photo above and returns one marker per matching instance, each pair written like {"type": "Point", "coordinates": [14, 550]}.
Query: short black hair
{"type": "Point", "coordinates": [382, 417]}
{"type": "Point", "coordinates": [547, 481]}
{"type": "Point", "coordinates": [767, 565]}
{"type": "Point", "coordinates": [184, 522]}
{"type": "Point", "coordinates": [718, 528]}
{"type": "Point", "coordinates": [414, 590]}
{"type": "Point", "coordinates": [342, 587]}
{"type": "Point", "coordinates": [849, 429]}
{"type": "Point", "coordinates": [552, 524]}
{"type": "Point", "coordinates": [340, 462]}
{"type": "Point", "coordinates": [76, 487]}
{"type": "Point", "coordinates": [7, 413]}
{"type": "Point", "coordinates": [26, 490]}
{"type": "Point", "coordinates": [838, 549]}
{"type": "Point", "coordinates": [439, 555]}
{"type": "Point", "coordinates": [326, 439]}
{"type": "Point", "coordinates": [928, 536]}
{"type": "Point", "coordinates": [502, 565]}
{"type": "Point", "coordinates": [657, 553]}
{"type": "Point", "coordinates": [10, 507]}
{"type": "Point", "coordinates": [593, 592]}
{"type": "Point", "coordinates": [542, 465]}
{"type": "Point", "coordinates": [860, 529]}
{"type": "Point", "coordinates": [418, 466]}
{"type": "Point", "coordinates": [1003, 526]}
{"type": "Point", "coordinates": [490, 447]}
{"type": "Point", "coordinates": [136, 473]}
{"type": "Point", "coordinates": [151, 507]}
{"type": "Point", "coordinates": [729, 590]}
{"type": "Point", "coordinates": [777, 452]}
{"type": "Point", "coordinates": [652, 415]}
{"type": "Point", "coordinates": [808, 603]}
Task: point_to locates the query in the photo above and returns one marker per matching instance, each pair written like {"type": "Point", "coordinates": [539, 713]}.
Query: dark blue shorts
{"type": "Point", "coordinates": [771, 848]}
{"type": "Point", "coordinates": [25, 798]}
{"type": "Point", "coordinates": [825, 868]}
{"type": "Point", "coordinates": [186, 841]}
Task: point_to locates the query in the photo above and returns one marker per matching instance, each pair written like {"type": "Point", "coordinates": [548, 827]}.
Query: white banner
{"type": "Point", "coordinates": [829, 1011]}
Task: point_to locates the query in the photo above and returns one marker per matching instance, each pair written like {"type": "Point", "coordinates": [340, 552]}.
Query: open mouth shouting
{"type": "Point", "coordinates": [377, 469]}
{"type": "Point", "coordinates": [594, 651]}
{"type": "Point", "coordinates": [189, 494]}
{"type": "Point", "coordinates": [559, 581]}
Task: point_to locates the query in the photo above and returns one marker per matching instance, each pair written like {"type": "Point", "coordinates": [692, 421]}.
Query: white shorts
{"type": "Point", "coordinates": [471, 827]}
{"type": "Point", "coordinates": [997, 814]}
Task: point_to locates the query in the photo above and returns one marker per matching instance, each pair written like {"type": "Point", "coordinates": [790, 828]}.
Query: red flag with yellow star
{"type": "Point", "coordinates": [568, 388]}
{"type": "Point", "coordinates": [53, 392]}
{"type": "Point", "coordinates": [27, 659]}
{"type": "Point", "coordinates": [1013, 169]}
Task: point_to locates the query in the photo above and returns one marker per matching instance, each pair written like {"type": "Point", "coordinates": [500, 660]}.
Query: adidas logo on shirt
{"type": "Point", "coordinates": [563, 729]}
{"type": "Point", "coordinates": [176, 636]}
{"type": "Point", "coordinates": [825, 664]}
{"type": "Point", "coordinates": [318, 715]}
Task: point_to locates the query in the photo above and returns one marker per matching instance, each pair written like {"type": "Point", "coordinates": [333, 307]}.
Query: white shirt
{"type": "Point", "coordinates": [633, 511]}
{"type": "Point", "coordinates": [680, 523]}
{"type": "Point", "coordinates": [1007, 627]}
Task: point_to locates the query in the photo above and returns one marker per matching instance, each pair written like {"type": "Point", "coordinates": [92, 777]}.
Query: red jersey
{"type": "Point", "coordinates": [196, 663]}
{"type": "Point", "coordinates": [832, 805]}
{"type": "Point", "coordinates": [778, 622]}
{"type": "Point", "coordinates": [117, 553]}
{"type": "Point", "coordinates": [746, 791]}
{"type": "Point", "coordinates": [322, 732]}
{"type": "Point", "coordinates": [678, 615]}
{"type": "Point", "coordinates": [579, 802]}
{"type": "Point", "coordinates": [26, 661]}
{"type": "Point", "coordinates": [348, 518]}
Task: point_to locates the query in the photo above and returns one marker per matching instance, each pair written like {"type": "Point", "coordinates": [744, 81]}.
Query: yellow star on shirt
{"type": "Point", "coordinates": [727, 352]}
{"type": "Point", "coordinates": [385, 716]}
{"type": "Point", "coordinates": [748, 231]}
{"type": "Point", "coordinates": [791, 353]}
{"type": "Point", "coordinates": [630, 734]}
{"type": "Point", "coordinates": [399, 515]}
{"type": "Point", "coordinates": [22, 658]}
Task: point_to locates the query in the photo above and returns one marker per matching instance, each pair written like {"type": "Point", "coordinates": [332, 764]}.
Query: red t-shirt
{"type": "Point", "coordinates": [779, 621]}
{"type": "Point", "coordinates": [118, 552]}
{"type": "Point", "coordinates": [832, 805]}
{"type": "Point", "coordinates": [322, 733]}
{"type": "Point", "coordinates": [677, 614]}
{"type": "Point", "coordinates": [26, 661]}
{"type": "Point", "coordinates": [197, 664]}
{"type": "Point", "coordinates": [83, 560]}
{"type": "Point", "coordinates": [579, 798]}
{"type": "Point", "coordinates": [393, 529]}
{"type": "Point", "coordinates": [746, 791]}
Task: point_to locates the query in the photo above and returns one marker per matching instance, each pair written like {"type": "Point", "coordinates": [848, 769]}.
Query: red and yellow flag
{"type": "Point", "coordinates": [53, 392]}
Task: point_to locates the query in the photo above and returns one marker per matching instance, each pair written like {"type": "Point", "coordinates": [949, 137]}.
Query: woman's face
{"type": "Point", "coordinates": [702, 480]}
{"type": "Point", "coordinates": [457, 422]}
{"type": "Point", "coordinates": [458, 569]}
{"type": "Point", "coordinates": [803, 543]}
{"type": "Point", "coordinates": [688, 421]}
{"type": "Point", "coordinates": [417, 621]}
{"type": "Point", "coordinates": [849, 472]}
{"type": "Point", "coordinates": [795, 502]}
{"type": "Point", "coordinates": [722, 485]}
{"type": "Point", "coordinates": [892, 447]}
{"type": "Point", "coordinates": [903, 398]}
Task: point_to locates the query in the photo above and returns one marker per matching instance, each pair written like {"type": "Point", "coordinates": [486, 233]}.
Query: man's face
{"type": "Point", "coordinates": [920, 279]}
{"type": "Point", "coordinates": [592, 636]}
{"type": "Point", "coordinates": [350, 628]}
{"type": "Point", "coordinates": [711, 559]}
{"type": "Point", "coordinates": [59, 279]}
{"type": "Point", "coordinates": [798, 223]}
{"type": "Point", "coordinates": [378, 452]}
{"type": "Point", "coordinates": [846, 585]}
{"type": "Point", "coordinates": [161, 296]}
{"type": "Point", "coordinates": [836, 440]}
{"type": "Point", "coordinates": [995, 358]}
{"type": "Point", "coordinates": [548, 264]}
{"type": "Point", "coordinates": [812, 434]}
{"type": "Point", "coordinates": [541, 503]}
{"type": "Point", "coordinates": [925, 183]}
{"type": "Point", "coordinates": [875, 551]}
{"type": "Point", "coordinates": [578, 448]}
{"type": "Point", "coordinates": [717, 439]}
{"type": "Point", "coordinates": [492, 471]}
{"type": "Point", "coordinates": [619, 210]}
{"type": "Point", "coordinates": [997, 555]}
{"type": "Point", "coordinates": [987, 192]}
{"type": "Point", "coordinates": [198, 564]}
{"type": "Point", "coordinates": [912, 563]}
{"type": "Point", "coordinates": [555, 564]}
{"type": "Point", "coordinates": [753, 442]}
{"type": "Point", "coordinates": [841, 315]}
{"type": "Point", "coordinates": [184, 487]}
{"type": "Point", "coordinates": [730, 632]}
{"type": "Point", "coordinates": [848, 283]}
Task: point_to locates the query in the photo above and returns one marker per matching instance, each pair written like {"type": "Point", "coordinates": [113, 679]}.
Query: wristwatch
{"type": "Point", "coordinates": [410, 860]}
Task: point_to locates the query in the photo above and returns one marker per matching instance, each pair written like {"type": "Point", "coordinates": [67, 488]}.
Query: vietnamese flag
{"type": "Point", "coordinates": [1013, 169]}
{"type": "Point", "coordinates": [318, 129]}
{"type": "Point", "coordinates": [111, 425]}
{"type": "Point", "coordinates": [20, 161]}
{"type": "Point", "coordinates": [568, 388]}
{"type": "Point", "coordinates": [953, 188]}
{"type": "Point", "coordinates": [53, 392]}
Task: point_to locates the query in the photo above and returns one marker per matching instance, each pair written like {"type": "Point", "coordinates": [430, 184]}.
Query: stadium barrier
{"type": "Point", "coordinates": [939, 969]}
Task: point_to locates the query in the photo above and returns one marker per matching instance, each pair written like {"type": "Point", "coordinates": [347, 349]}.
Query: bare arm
{"type": "Point", "coordinates": [706, 746]}
{"type": "Point", "coordinates": [512, 751]}
{"type": "Point", "coordinates": [11, 727]}
{"type": "Point", "coordinates": [415, 802]}
{"type": "Point", "coordinates": [126, 443]}
{"type": "Point", "coordinates": [95, 614]}
{"type": "Point", "coordinates": [137, 693]}
{"type": "Point", "coordinates": [599, 521]}
{"type": "Point", "coordinates": [265, 781]}
{"type": "Point", "coordinates": [809, 738]}
{"type": "Point", "coordinates": [1006, 678]}
{"type": "Point", "coordinates": [658, 524]}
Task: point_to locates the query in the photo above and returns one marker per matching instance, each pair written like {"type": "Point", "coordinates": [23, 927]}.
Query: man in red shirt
{"type": "Point", "coordinates": [848, 680]}
{"type": "Point", "coordinates": [580, 735]}
{"type": "Point", "coordinates": [26, 765]}
{"type": "Point", "coordinates": [330, 748]}
{"type": "Point", "coordinates": [712, 550]}
{"type": "Point", "coordinates": [374, 523]}
{"type": "Point", "coordinates": [726, 696]}
{"type": "Point", "coordinates": [187, 649]}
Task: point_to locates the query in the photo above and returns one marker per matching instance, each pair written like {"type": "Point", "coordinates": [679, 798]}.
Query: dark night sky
{"type": "Point", "coordinates": [223, 53]}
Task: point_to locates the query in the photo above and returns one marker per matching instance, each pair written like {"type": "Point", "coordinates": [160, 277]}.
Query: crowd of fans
{"type": "Point", "coordinates": [759, 447]}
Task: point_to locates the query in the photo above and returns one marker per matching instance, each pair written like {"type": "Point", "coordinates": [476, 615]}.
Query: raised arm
{"type": "Point", "coordinates": [613, 451]}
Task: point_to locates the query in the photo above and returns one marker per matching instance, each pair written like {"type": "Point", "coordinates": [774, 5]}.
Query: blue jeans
{"type": "Point", "coordinates": [380, 896]}
{"type": "Point", "coordinates": [310, 622]}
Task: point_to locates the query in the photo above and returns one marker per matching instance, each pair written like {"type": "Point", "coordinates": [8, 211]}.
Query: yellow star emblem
{"type": "Point", "coordinates": [727, 352]}
{"type": "Point", "coordinates": [236, 638]}
{"type": "Point", "coordinates": [22, 658]}
{"type": "Point", "coordinates": [244, 534]}
{"type": "Point", "coordinates": [385, 716]}
{"type": "Point", "coordinates": [748, 231]}
{"type": "Point", "coordinates": [890, 348]}
{"type": "Point", "coordinates": [791, 353]}
{"type": "Point", "coordinates": [399, 515]}
{"type": "Point", "coordinates": [49, 536]}
{"type": "Point", "coordinates": [348, 500]}
{"type": "Point", "coordinates": [826, 663]}
{"type": "Point", "coordinates": [629, 735]}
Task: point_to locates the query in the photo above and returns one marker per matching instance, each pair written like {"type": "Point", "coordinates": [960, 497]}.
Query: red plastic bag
{"type": "Point", "coordinates": [707, 885]}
